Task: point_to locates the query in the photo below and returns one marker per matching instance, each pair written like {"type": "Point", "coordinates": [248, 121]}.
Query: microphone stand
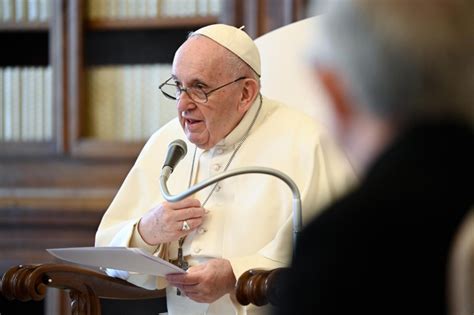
{"type": "Point", "coordinates": [297, 216]}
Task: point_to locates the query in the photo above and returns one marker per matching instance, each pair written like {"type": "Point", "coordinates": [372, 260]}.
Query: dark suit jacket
{"type": "Point", "coordinates": [383, 248]}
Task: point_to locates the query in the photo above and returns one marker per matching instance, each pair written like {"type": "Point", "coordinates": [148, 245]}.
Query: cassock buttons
{"type": "Point", "coordinates": [218, 188]}
{"type": "Point", "coordinates": [220, 151]}
{"type": "Point", "coordinates": [217, 167]}
{"type": "Point", "coordinates": [197, 250]}
{"type": "Point", "coordinates": [201, 230]}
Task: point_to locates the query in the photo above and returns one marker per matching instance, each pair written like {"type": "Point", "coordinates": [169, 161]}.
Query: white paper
{"type": "Point", "coordinates": [134, 260]}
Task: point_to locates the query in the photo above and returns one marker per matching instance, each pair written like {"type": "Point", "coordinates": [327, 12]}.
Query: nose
{"type": "Point", "coordinates": [185, 102]}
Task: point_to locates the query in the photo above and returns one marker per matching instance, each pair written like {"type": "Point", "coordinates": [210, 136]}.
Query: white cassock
{"type": "Point", "coordinates": [250, 216]}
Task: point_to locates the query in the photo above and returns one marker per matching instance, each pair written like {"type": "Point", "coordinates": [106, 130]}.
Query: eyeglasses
{"type": "Point", "coordinates": [196, 93]}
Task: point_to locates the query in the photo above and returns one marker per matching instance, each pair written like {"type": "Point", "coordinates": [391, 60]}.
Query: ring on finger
{"type": "Point", "coordinates": [185, 226]}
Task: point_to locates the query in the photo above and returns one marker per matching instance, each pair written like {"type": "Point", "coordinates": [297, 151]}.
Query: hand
{"type": "Point", "coordinates": [164, 223]}
{"type": "Point", "coordinates": [207, 282]}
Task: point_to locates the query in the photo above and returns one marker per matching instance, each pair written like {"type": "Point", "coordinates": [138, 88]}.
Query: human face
{"type": "Point", "coordinates": [201, 62]}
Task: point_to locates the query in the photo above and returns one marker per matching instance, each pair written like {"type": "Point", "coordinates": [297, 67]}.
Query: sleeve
{"type": "Point", "coordinates": [137, 195]}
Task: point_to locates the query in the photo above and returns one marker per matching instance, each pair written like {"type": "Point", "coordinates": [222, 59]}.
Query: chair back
{"type": "Point", "coordinates": [286, 71]}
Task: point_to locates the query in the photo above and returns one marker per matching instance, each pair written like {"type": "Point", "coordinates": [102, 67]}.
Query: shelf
{"type": "Point", "coordinates": [17, 149]}
{"type": "Point", "coordinates": [87, 199]}
{"type": "Point", "coordinates": [151, 23]}
{"type": "Point", "coordinates": [24, 26]}
{"type": "Point", "coordinates": [93, 148]}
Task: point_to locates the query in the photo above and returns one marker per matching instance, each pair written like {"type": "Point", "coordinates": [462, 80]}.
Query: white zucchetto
{"type": "Point", "coordinates": [235, 40]}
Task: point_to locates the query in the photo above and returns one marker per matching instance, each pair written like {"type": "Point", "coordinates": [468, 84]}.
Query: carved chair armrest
{"type": "Point", "coordinates": [261, 287]}
{"type": "Point", "coordinates": [86, 286]}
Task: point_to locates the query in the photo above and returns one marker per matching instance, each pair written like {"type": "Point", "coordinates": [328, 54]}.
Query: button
{"type": "Point", "coordinates": [219, 151]}
{"type": "Point", "coordinates": [206, 211]}
{"type": "Point", "coordinates": [218, 188]}
{"type": "Point", "coordinates": [202, 230]}
{"type": "Point", "coordinates": [217, 167]}
{"type": "Point", "coordinates": [197, 250]}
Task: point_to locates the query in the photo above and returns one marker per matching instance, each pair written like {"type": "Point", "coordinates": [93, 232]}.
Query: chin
{"type": "Point", "coordinates": [199, 143]}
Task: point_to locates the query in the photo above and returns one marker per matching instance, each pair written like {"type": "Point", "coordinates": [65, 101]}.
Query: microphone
{"type": "Point", "coordinates": [176, 151]}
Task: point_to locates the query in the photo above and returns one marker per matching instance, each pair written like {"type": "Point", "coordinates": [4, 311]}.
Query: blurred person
{"type": "Point", "coordinates": [400, 77]}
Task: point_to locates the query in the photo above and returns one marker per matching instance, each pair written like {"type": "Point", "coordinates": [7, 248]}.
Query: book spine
{"type": "Point", "coordinates": [202, 7]}
{"type": "Point", "coordinates": [2, 105]}
{"type": "Point", "coordinates": [39, 104]}
{"type": "Point", "coordinates": [44, 9]}
{"type": "Point", "coordinates": [8, 104]}
{"type": "Point", "coordinates": [48, 104]}
{"type": "Point", "coordinates": [20, 10]}
{"type": "Point", "coordinates": [25, 91]}
{"type": "Point", "coordinates": [16, 104]}
{"type": "Point", "coordinates": [8, 11]}
{"type": "Point", "coordinates": [128, 102]}
{"type": "Point", "coordinates": [33, 6]}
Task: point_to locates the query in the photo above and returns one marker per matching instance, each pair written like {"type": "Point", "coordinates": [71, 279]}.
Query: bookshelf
{"type": "Point", "coordinates": [28, 102]}
{"type": "Point", "coordinates": [121, 52]}
{"type": "Point", "coordinates": [76, 40]}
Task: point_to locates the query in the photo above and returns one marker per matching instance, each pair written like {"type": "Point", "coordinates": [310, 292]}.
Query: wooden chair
{"type": "Point", "coordinates": [86, 287]}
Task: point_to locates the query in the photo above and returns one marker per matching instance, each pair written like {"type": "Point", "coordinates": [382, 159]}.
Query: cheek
{"type": "Point", "coordinates": [181, 119]}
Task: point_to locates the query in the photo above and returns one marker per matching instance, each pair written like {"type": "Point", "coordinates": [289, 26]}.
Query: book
{"type": "Point", "coordinates": [48, 104]}
{"type": "Point", "coordinates": [133, 260]}
{"type": "Point", "coordinates": [8, 104]}
{"type": "Point", "coordinates": [16, 104]}
{"type": "Point", "coordinates": [26, 89]}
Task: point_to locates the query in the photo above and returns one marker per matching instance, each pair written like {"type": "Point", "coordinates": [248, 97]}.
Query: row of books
{"type": "Point", "coordinates": [26, 104]}
{"type": "Point", "coordinates": [124, 102]}
{"type": "Point", "coordinates": [123, 9]}
{"type": "Point", "coordinates": [25, 10]}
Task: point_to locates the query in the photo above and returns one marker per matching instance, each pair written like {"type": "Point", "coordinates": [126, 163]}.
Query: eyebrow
{"type": "Point", "coordinates": [193, 81]}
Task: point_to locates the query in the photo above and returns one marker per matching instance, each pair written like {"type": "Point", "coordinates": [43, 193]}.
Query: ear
{"type": "Point", "coordinates": [249, 93]}
{"type": "Point", "coordinates": [337, 93]}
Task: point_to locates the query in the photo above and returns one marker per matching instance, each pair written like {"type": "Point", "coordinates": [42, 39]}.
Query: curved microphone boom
{"type": "Point", "coordinates": [297, 216]}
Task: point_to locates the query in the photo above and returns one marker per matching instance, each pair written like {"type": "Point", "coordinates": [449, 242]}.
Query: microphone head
{"type": "Point", "coordinates": [180, 144]}
{"type": "Point", "coordinates": [177, 149]}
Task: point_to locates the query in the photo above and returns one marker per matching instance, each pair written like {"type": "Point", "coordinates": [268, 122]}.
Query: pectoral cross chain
{"type": "Point", "coordinates": [181, 263]}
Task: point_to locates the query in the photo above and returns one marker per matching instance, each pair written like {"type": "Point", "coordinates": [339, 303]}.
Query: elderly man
{"type": "Point", "coordinates": [240, 223]}
{"type": "Point", "coordinates": [400, 76]}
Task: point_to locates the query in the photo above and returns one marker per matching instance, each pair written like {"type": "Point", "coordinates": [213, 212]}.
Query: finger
{"type": "Point", "coordinates": [188, 213]}
{"type": "Point", "coordinates": [181, 282]}
{"type": "Point", "coordinates": [192, 225]}
{"type": "Point", "coordinates": [195, 268]}
{"type": "Point", "coordinates": [179, 279]}
{"type": "Point", "coordinates": [183, 204]}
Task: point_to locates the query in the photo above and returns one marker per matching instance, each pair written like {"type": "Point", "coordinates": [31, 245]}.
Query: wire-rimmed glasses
{"type": "Point", "coordinates": [196, 93]}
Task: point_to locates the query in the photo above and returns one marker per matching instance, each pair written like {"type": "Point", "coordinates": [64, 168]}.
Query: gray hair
{"type": "Point", "coordinates": [402, 59]}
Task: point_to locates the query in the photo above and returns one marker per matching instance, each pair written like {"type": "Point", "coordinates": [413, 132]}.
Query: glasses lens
{"type": "Point", "coordinates": [170, 91]}
{"type": "Point", "coordinates": [197, 94]}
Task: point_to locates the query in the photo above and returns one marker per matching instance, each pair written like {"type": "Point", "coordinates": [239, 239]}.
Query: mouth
{"type": "Point", "coordinates": [191, 122]}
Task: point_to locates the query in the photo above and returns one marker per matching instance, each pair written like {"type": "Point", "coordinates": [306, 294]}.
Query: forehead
{"type": "Point", "coordinates": [199, 58]}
